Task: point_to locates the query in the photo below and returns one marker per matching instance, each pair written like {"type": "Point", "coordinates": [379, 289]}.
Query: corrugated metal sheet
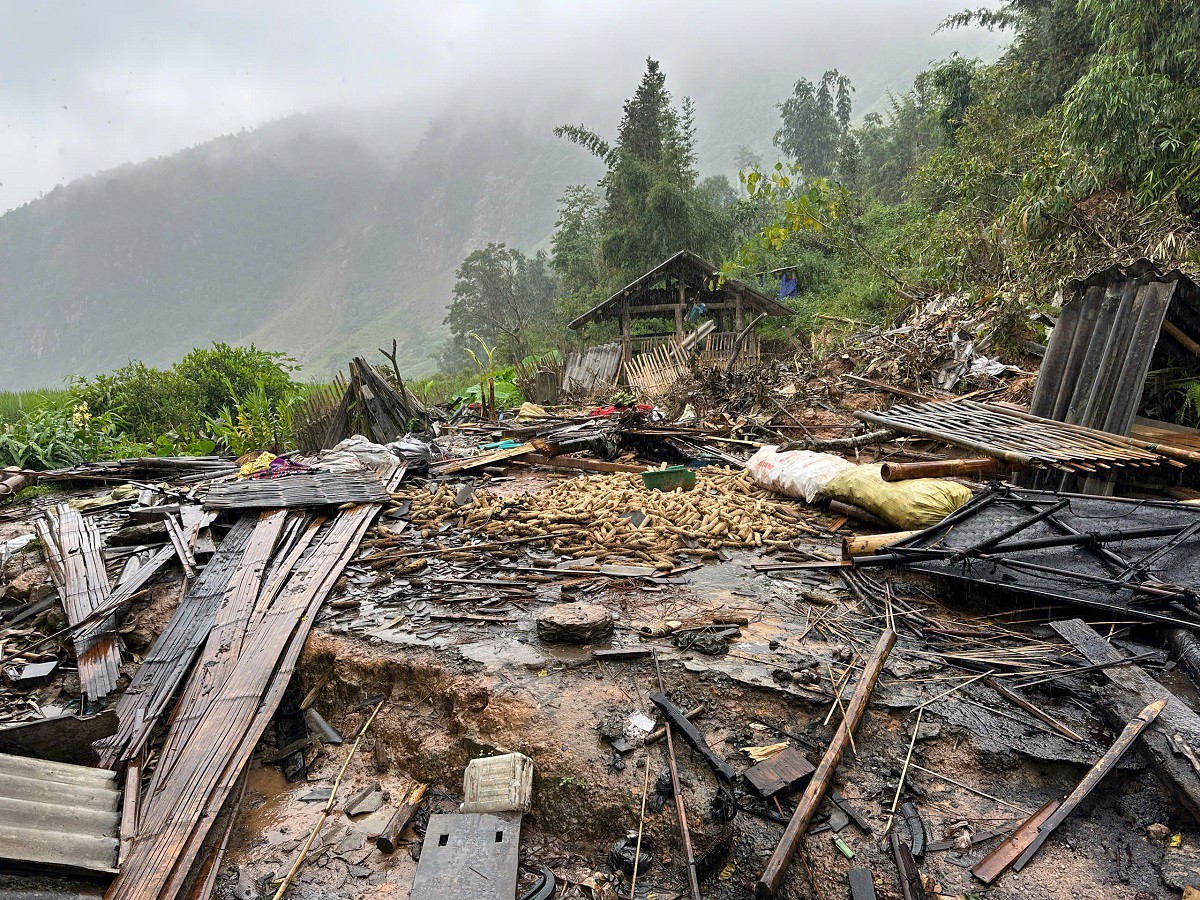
{"type": "Point", "coordinates": [1109, 335]}
{"type": "Point", "coordinates": [58, 815]}
{"type": "Point", "coordinates": [302, 490]}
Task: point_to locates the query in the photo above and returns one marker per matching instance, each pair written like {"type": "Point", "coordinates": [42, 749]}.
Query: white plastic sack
{"type": "Point", "coordinates": [795, 473]}
{"type": "Point", "coordinates": [355, 454]}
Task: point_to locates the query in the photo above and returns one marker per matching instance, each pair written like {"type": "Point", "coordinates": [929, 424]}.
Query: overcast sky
{"type": "Point", "coordinates": [86, 86]}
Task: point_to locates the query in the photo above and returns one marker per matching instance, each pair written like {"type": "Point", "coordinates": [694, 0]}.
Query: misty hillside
{"type": "Point", "coordinates": [284, 236]}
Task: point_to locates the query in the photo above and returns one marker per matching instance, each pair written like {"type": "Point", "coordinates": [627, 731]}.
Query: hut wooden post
{"type": "Point", "coordinates": [738, 314]}
{"type": "Point", "coordinates": [679, 311]}
{"type": "Point", "coordinates": [626, 337]}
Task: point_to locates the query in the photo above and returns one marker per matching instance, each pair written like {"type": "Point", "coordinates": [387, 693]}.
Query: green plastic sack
{"type": "Point", "coordinates": [909, 505]}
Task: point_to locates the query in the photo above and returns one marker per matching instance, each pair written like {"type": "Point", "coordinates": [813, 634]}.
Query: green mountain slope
{"type": "Point", "coordinates": [301, 238]}
{"type": "Point", "coordinates": [284, 236]}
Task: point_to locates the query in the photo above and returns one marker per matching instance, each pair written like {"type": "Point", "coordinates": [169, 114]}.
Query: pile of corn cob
{"type": "Point", "coordinates": [596, 514]}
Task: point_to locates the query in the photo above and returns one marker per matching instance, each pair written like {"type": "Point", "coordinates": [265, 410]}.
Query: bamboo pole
{"type": "Point", "coordinates": [866, 544]}
{"type": "Point", "coordinates": [898, 471]}
{"type": "Point", "coordinates": [772, 876]}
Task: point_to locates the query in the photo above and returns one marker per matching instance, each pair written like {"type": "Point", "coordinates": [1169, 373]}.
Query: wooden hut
{"type": "Point", "coordinates": [684, 289]}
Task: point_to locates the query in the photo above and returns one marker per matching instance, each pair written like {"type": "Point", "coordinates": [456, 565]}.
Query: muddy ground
{"type": "Point", "coordinates": [456, 691]}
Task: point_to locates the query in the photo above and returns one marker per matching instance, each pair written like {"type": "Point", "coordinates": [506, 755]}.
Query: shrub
{"type": "Point", "coordinates": [53, 436]}
{"type": "Point", "coordinates": [255, 422]}
{"type": "Point", "coordinates": [180, 402]}
{"type": "Point", "coordinates": [214, 375]}
{"type": "Point", "coordinates": [148, 401]}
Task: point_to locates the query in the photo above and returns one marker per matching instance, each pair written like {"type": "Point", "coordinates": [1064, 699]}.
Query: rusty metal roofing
{"type": "Point", "coordinates": [698, 274]}
{"type": "Point", "coordinates": [1116, 325]}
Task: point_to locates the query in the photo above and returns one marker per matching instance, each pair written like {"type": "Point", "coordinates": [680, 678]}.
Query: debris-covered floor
{"type": "Point", "coordinates": [469, 668]}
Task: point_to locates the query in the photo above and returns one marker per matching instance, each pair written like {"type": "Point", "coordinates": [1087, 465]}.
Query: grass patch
{"type": "Point", "coordinates": [14, 403]}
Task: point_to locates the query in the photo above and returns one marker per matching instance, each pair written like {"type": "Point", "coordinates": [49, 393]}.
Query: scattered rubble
{"type": "Point", "coordinates": [527, 658]}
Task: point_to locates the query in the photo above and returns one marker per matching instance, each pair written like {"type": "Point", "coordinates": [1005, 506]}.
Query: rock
{"type": "Point", "coordinates": [575, 623]}
{"type": "Point", "coordinates": [928, 731]}
{"type": "Point", "coordinates": [136, 535]}
{"type": "Point", "coordinates": [354, 840]}
{"type": "Point", "coordinates": [1158, 831]}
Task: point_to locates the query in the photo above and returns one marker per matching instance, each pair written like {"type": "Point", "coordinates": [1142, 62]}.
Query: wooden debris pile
{"type": "Point", "coordinates": [615, 516]}
{"type": "Point", "coordinates": [939, 343]}
{"type": "Point", "coordinates": [380, 409]}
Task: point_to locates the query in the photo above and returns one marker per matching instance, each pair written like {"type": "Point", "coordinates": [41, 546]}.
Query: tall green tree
{"type": "Point", "coordinates": [816, 123]}
{"type": "Point", "coordinates": [505, 297]}
{"type": "Point", "coordinates": [653, 204]}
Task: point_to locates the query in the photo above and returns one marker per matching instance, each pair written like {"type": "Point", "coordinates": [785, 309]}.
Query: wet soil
{"type": "Point", "coordinates": [458, 690]}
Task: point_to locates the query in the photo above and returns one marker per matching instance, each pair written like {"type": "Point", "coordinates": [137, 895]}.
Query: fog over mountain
{"type": "Point", "coordinates": [307, 177]}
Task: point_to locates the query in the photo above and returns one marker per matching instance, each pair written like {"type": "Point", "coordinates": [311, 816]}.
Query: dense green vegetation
{"type": "Point", "coordinates": [1077, 149]}
{"type": "Point", "coordinates": [232, 399]}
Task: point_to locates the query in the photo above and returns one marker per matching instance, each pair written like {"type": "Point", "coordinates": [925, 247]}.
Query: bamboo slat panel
{"type": "Point", "coordinates": [72, 545]}
{"type": "Point", "coordinates": [656, 372]}
{"type": "Point", "coordinates": [238, 696]}
{"type": "Point", "coordinates": [1026, 440]}
{"type": "Point", "coordinates": [144, 702]}
{"type": "Point", "coordinates": [717, 348]}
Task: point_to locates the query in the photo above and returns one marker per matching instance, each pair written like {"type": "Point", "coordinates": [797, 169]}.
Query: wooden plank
{"type": "Point", "coordinates": [204, 764]}
{"type": "Point", "coordinates": [483, 459]}
{"type": "Point", "coordinates": [72, 546]}
{"type": "Point", "coordinates": [67, 739]}
{"type": "Point", "coordinates": [579, 462]}
{"type": "Point", "coordinates": [1134, 687]}
{"type": "Point", "coordinates": [786, 770]}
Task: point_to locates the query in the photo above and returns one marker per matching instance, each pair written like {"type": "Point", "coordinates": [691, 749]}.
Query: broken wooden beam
{"type": "Point", "coordinates": [678, 720]}
{"type": "Point", "coordinates": [772, 876]}
{"type": "Point", "coordinates": [1103, 766]}
{"type": "Point", "coordinates": [995, 863]}
{"type": "Point", "coordinates": [1020, 851]}
{"type": "Point", "coordinates": [1134, 688]}
{"type": "Point", "coordinates": [389, 839]}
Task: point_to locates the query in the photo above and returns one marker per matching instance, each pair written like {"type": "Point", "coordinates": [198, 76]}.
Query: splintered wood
{"type": "Point", "coordinates": [72, 546]}
{"type": "Point", "coordinates": [268, 593]}
{"type": "Point", "coordinates": [616, 516]}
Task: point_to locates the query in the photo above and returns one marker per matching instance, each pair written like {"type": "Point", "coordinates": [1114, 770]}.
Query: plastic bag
{"type": "Point", "coordinates": [795, 473]}
{"type": "Point", "coordinates": [355, 454]}
{"type": "Point", "coordinates": [908, 505]}
{"type": "Point", "coordinates": [417, 453]}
